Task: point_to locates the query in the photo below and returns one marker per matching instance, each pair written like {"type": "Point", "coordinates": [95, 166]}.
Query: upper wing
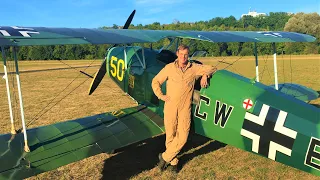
{"type": "Point", "coordinates": [19, 36]}
{"type": "Point", "coordinates": [63, 143]}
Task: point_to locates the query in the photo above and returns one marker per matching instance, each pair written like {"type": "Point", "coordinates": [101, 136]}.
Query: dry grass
{"type": "Point", "coordinates": [201, 158]}
{"type": "Point", "coordinates": [36, 65]}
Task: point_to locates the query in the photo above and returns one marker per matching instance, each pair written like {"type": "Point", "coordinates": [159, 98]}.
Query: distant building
{"type": "Point", "coordinates": [254, 14]}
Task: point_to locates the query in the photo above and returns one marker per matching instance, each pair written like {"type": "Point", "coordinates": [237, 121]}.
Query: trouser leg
{"type": "Point", "coordinates": [180, 138]}
{"type": "Point", "coordinates": [170, 123]}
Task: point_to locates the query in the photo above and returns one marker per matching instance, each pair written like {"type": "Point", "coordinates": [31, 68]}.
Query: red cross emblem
{"type": "Point", "coordinates": [247, 104]}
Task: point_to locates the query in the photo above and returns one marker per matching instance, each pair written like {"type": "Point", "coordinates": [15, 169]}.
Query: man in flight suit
{"type": "Point", "coordinates": [180, 76]}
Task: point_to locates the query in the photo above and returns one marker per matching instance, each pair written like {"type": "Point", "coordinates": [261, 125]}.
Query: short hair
{"type": "Point", "coordinates": [183, 47]}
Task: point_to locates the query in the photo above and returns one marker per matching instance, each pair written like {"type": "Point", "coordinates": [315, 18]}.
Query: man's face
{"type": "Point", "coordinates": [183, 56]}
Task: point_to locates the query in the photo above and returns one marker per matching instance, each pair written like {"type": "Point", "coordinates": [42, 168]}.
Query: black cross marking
{"type": "Point", "coordinates": [267, 133]}
{"type": "Point", "coordinates": [271, 34]}
{"type": "Point", "coordinates": [17, 31]}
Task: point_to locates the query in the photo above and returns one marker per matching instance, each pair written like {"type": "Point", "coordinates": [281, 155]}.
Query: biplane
{"type": "Point", "coordinates": [233, 109]}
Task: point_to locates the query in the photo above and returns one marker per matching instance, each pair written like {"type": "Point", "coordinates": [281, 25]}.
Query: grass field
{"type": "Point", "coordinates": [202, 158]}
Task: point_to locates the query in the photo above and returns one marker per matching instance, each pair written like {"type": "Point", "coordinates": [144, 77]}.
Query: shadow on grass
{"type": "Point", "coordinates": [198, 141]}
{"type": "Point", "coordinates": [143, 156]}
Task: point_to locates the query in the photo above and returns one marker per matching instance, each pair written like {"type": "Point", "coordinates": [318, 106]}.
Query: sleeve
{"type": "Point", "coordinates": [158, 80]}
{"type": "Point", "coordinates": [204, 70]}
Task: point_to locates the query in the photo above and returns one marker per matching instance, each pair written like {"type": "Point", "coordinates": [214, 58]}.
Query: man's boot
{"type": "Point", "coordinates": [173, 168]}
{"type": "Point", "coordinates": [162, 163]}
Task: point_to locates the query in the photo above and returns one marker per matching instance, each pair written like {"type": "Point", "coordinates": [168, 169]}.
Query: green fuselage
{"type": "Point", "coordinates": [233, 110]}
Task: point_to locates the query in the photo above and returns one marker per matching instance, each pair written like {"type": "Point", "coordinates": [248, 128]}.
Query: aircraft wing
{"type": "Point", "coordinates": [63, 143]}
{"type": "Point", "coordinates": [298, 91]}
{"type": "Point", "coordinates": [22, 36]}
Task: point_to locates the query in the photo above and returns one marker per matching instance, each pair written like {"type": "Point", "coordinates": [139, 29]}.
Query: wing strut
{"type": "Point", "coordinates": [13, 129]}
{"type": "Point", "coordinates": [26, 147]}
{"type": "Point", "coordinates": [275, 66]}
{"type": "Point", "coordinates": [257, 65]}
{"type": "Point", "coordinates": [276, 86]}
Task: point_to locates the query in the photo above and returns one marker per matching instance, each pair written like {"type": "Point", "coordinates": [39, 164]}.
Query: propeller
{"type": "Point", "coordinates": [103, 68]}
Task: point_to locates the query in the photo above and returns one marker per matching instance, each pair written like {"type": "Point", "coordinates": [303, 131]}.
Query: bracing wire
{"type": "Point", "coordinates": [283, 71]}
{"type": "Point", "coordinates": [284, 76]}
{"type": "Point", "coordinates": [34, 119]}
{"type": "Point", "coordinates": [231, 65]}
{"type": "Point", "coordinates": [43, 111]}
{"type": "Point", "coordinates": [77, 69]}
{"type": "Point", "coordinates": [264, 68]}
{"type": "Point", "coordinates": [290, 69]}
{"type": "Point", "coordinates": [14, 96]}
{"type": "Point", "coordinates": [14, 99]}
{"type": "Point", "coordinates": [268, 68]}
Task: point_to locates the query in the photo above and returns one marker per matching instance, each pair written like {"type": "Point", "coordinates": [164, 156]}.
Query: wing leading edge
{"type": "Point", "coordinates": [63, 143]}
{"type": "Point", "coordinates": [18, 36]}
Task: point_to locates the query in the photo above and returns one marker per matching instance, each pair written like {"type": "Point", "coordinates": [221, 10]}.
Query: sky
{"type": "Point", "coordinates": [98, 13]}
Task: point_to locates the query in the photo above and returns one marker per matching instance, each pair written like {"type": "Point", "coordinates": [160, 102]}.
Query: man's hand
{"type": "Point", "coordinates": [165, 98]}
{"type": "Point", "coordinates": [204, 81]}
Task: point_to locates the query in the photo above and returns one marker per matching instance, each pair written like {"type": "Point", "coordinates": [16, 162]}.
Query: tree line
{"type": "Point", "coordinates": [275, 21]}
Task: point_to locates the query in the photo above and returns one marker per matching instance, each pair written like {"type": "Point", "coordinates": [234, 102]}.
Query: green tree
{"type": "Point", "coordinates": [114, 26]}
{"type": "Point", "coordinates": [233, 48]}
{"type": "Point", "coordinates": [306, 24]}
{"type": "Point", "coordinates": [230, 21]}
{"type": "Point", "coordinates": [23, 53]}
{"type": "Point", "coordinates": [59, 52]}
{"type": "Point", "coordinates": [246, 52]}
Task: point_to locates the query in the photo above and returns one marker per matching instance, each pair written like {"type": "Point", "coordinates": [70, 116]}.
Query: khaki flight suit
{"type": "Point", "coordinates": [177, 111]}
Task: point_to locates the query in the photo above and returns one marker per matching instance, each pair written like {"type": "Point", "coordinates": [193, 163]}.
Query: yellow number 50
{"type": "Point", "coordinates": [116, 70]}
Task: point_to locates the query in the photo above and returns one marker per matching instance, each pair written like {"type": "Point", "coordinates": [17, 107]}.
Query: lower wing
{"type": "Point", "coordinates": [63, 143]}
{"type": "Point", "coordinates": [298, 91]}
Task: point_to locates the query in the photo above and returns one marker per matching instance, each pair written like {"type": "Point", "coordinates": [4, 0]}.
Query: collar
{"type": "Point", "coordinates": [177, 64]}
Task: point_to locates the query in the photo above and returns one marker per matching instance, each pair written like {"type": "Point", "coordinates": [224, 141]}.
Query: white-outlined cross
{"type": "Point", "coordinates": [17, 31]}
{"type": "Point", "coordinates": [268, 137]}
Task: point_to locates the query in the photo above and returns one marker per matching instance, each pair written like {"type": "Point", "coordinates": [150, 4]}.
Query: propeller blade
{"type": "Point", "coordinates": [98, 77]}
{"type": "Point", "coordinates": [129, 20]}
{"type": "Point", "coordinates": [103, 68]}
